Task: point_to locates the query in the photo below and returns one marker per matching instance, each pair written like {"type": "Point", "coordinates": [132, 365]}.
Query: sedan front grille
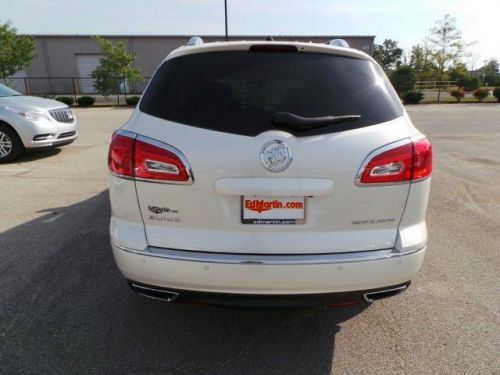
{"type": "Point", "coordinates": [62, 115]}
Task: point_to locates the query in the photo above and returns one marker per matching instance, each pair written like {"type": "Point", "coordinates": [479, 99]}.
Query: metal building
{"type": "Point", "coordinates": [63, 63]}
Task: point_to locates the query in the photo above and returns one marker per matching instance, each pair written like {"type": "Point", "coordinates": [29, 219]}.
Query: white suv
{"type": "Point", "coordinates": [269, 172]}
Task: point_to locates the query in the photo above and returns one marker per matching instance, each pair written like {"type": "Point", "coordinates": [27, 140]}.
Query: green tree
{"type": "Point", "coordinates": [469, 83]}
{"type": "Point", "coordinates": [116, 70]}
{"type": "Point", "coordinates": [422, 61]}
{"type": "Point", "coordinates": [461, 75]}
{"type": "Point", "coordinates": [403, 79]}
{"type": "Point", "coordinates": [16, 51]}
{"type": "Point", "coordinates": [489, 72]}
{"type": "Point", "coordinates": [388, 54]}
{"type": "Point", "coordinates": [447, 43]}
{"type": "Point", "coordinates": [457, 72]}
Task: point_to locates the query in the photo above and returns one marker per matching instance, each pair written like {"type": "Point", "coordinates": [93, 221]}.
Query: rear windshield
{"type": "Point", "coordinates": [239, 91]}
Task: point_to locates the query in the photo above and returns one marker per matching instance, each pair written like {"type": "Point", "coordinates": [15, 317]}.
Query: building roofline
{"type": "Point", "coordinates": [202, 36]}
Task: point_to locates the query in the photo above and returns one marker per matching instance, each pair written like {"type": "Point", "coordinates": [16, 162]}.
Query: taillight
{"type": "Point", "coordinates": [407, 162]}
{"type": "Point", "coordinates": [422, 159]}
{"type": "Point", "coordinates": [146, 159]}
{"type": "Point", "coordinates": [121, 155]}
{"type": "Point", "coordinates": [157, 161]}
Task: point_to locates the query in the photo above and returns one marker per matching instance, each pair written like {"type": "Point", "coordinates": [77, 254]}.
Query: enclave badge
{"type": "Point", "coordinates": [275, 156]}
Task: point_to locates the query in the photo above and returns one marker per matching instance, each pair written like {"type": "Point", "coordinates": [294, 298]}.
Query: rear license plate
{"type": "Point", "coordinates": [272, 210]}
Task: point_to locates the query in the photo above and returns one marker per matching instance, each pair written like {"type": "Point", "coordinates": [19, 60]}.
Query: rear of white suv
{"type": "Point", "coordinates": [258, 171]}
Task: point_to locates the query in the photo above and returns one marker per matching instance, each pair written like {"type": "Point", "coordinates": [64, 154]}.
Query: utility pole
{"type": "Point", "coordinates": [225, 15]}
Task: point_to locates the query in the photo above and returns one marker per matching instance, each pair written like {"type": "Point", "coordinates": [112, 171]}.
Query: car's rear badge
{"type": "Point", "coordinates": [374, 221]}
{"type": "Point", "coordinates": [275, 156]}
{"type": "Point", "coordinates": [159, 210]}
{"type": "Point", "coordinates": [163, 214]}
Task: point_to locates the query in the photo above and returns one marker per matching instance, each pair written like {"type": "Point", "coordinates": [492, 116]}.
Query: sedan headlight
{"type": "Point", "coordinates": [29, 114]}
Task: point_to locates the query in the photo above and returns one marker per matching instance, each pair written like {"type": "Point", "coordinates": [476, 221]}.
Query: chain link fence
{"type": "Point", "coordinates": [84, 86]}
{"type": "Point", "coordinates": [72, 86]}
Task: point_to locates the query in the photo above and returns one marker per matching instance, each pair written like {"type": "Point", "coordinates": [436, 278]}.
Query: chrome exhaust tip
{"type": "Point", "coordinates": [384, 293]}
{"type": "Point", "coordinates": [153, 293]}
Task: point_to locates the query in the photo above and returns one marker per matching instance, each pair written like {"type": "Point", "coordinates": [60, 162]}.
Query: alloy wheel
{"type": "Point", "coordinates": [5, 145]}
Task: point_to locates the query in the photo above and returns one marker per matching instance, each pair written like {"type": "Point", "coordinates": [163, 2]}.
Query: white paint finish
{"type": "Point", "coordinates": [210, 221]}
{"type": "Point", "coordinates": [267, 279]}
{"type": "Point", "coordinates": [274, 186]}
{"type": "Point", "coordinates": [245, 45]}
{"type": "Point", "coordinates": [412, 228]}
{"type": "Point", "coordinates": [206, 216]}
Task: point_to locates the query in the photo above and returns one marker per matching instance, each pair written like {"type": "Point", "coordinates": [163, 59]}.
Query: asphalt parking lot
{"type": "Point", "coordinates": [64, 307]}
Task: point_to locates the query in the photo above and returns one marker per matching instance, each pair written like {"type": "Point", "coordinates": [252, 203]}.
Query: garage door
{"type": "Point", "coordinates": [86, 64]}
{"type": "Point", "coordinates": [16, 81]}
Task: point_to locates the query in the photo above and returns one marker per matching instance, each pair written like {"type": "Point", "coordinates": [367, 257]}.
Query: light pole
{"type": "Point", "coordinates": [225, 15]}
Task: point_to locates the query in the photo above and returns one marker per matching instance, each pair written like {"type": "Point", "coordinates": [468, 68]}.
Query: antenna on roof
{"type": "Point", "coordinates": [339, 43]}
{"type": "Point", "coordinates": [195, 41]}
{"type": "Point", "coordinates": [225, 16]}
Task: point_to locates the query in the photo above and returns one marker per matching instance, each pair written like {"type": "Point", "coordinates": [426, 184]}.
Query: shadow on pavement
{"type": "Point", "coordinates": [38, 154]}
{"type": "Point", "coordinates": [65, 308]}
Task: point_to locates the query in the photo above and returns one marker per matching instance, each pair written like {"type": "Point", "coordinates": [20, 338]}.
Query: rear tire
{"type": "Point", "coordinates": [11, 146]}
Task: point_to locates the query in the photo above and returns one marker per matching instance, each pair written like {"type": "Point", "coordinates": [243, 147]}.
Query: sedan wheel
{"type": "Point", "coordinates": [5, 145]}
{"type": "Point", "coordinates": [11, 146]}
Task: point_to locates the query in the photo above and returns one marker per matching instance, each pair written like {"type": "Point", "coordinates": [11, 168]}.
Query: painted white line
{"type": "Point", "coordinates": [53, 218]}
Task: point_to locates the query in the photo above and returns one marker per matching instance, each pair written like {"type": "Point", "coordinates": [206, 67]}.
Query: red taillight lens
{"type": "Point", "coordinates": [121, 155]}
{"type": "Point", "coordinates": [390, 166]}
{"type": "Point", "coordinates": [422, 159]}
{"type": "Point", "coordinates": [412, 161]}
{"type": "Point", "coordinates": [147, 159]}
{"type": "Point", "coordinates": [157, 163]}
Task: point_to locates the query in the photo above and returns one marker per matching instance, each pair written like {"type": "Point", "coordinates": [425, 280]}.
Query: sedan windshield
{"type": "Point", "coordinates": [7, 91]}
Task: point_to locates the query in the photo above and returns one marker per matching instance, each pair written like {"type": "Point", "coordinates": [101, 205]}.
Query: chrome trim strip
{"type": "Point", "coordinates": [126, 133]}
{"type": "Point", "coordinates": [368, 299]}
{"type": "Point", "coordinates": [267, 259]}
{"type": "Point", "coordinates": [174, 151]}
{"type": "Point", "coordinates": [128, 249]}
{"type": "Point", "coordinates": [63, 115]}
{"type": "Point", "coordinates": [172, 295]}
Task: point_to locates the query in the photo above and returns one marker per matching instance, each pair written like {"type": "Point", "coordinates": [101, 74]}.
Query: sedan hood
{"type": "Point", "coordinates": [31, 102]}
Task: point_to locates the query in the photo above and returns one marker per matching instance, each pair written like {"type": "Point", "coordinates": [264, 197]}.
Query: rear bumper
{"type": "Point", "coordinates": [267, 274]}
{"type": "Point", "coordinates": [340, 299]}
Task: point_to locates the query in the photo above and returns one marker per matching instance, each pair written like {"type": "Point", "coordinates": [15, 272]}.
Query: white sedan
{"type": "Point", "coordinates": [29, 122]}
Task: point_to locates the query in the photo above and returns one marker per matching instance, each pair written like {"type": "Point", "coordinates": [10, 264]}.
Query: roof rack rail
{"type": "Point", "coordinates": [339, 43]}
{"type": "Point", "coordinates": [195, 41]}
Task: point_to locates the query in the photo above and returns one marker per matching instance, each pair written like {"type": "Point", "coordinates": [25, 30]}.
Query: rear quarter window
{"type": "Point", "coordinates": [239, 91]}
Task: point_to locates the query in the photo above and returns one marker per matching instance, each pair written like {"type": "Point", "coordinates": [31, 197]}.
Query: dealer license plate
{"type": "Point", "coordinates": [272, 210]}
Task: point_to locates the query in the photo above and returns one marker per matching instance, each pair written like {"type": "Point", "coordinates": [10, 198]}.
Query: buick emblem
{"type": "Point", "coordinates": [275, 156]}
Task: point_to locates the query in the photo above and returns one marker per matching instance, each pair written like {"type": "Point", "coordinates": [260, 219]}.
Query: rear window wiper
{"type": "Point", "coordinates": [297, 122]}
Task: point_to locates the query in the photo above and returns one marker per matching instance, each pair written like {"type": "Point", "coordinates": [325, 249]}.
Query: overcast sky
{"type": "Point", "coordinates": [406, 21]}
